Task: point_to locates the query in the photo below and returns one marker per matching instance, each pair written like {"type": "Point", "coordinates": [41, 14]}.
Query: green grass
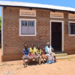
{"type": "Point", "coordinates": [0, 22]}
{"type": "Point", "coordinates": [18, 68]}
{"type": "Point", "coordinates": [3, 64]}
{"type": "Point", "coordinates": [12, 64]}
{"type": "Point", "coordinates": [69, 59]}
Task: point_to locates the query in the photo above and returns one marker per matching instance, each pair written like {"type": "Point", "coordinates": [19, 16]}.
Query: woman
{"type": "Point", "coordinates": [48, 50]}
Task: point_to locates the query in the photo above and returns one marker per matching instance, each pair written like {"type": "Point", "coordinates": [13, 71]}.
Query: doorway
{"type": "Point", "coordinates": [56, 35]}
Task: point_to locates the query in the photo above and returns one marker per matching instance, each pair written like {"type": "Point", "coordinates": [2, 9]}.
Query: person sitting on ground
{"type": "Point", "coordinates": [54, 55]}
{"type": "Point", "coordinates": [33, 51]}
{"type": "Point", "coordinates": [48, 50]}
{"type": "Point", "coordinates": [44, 54]}
{"type": "Point", "coordinates": [25, 54]}
{"type": "Point", "coordinates": [39, 54]}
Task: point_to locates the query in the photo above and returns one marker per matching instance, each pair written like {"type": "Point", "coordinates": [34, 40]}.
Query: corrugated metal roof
{"type": "Point", "coordinates": [24, 4]}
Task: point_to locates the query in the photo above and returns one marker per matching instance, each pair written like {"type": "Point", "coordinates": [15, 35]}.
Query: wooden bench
{"type": "Point", "coordinates": [35, 59]}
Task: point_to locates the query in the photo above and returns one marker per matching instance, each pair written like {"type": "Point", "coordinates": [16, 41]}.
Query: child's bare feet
{"type": "Point", "coordinates": [43, 61]}
{"type": "Point", "coordinates": [25, 66]}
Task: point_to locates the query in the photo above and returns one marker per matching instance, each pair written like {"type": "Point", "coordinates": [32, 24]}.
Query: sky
{"type": "Point", "coordinates": [65, 3]}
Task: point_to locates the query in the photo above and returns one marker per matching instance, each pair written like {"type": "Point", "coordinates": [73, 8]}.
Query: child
{"type": "Point", "coordinates": [25, 54]}
{"type": "Point", "coordinates": [38, 51]}
{"type": "Point", "coordinates": [54, 55]}
{"type": "Point", "coordinates": [44, 54]}
{"type": "Point", "coordinates": [33, 51]}
{"type": "Point", "coordinates": [39, 54]}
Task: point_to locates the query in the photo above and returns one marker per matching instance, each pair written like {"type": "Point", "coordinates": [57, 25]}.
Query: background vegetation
{"type": "Point", "coordinates": [0, 22]}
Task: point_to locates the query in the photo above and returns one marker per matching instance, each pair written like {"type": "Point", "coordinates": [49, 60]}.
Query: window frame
{"type": "Point", "coordinates": [27, 20]}
{"type": "Point", "coordinates": [69, 30]}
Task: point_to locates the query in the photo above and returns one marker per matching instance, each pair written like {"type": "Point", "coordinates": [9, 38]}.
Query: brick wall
{"type": "Point", "coordinates": [69, 41]}
{"type": "Point", "coordinates": [13, 43]}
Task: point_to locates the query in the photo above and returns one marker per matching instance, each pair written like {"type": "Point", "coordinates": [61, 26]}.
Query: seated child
{"type": "Point", "coordinates": [54, 55]}
{"type": "Point", "coordinates": [32, 51]}
{"type": "Point", "coordinates": [25, 54]}
{"type": "Point", "coordinates": [39, 54]}
{"type": "Point", "coordinates": [44, 54]}
{"type": "Point", "coordinates": [38, 51]}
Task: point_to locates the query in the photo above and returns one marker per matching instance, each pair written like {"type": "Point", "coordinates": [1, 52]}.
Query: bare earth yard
{"type": "Point", "coordinates": [61, 67]}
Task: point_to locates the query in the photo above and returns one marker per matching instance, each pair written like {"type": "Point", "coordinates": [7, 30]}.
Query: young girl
{"type": "Point", "coordinates": [32, 52]}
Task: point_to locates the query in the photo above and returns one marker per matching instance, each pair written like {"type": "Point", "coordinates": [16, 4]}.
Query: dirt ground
{"type": "Point", "coordinates": [61, 67]}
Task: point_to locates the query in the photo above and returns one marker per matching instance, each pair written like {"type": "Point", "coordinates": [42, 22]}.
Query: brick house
{"type": "Point", "coordinates": [38, 24]}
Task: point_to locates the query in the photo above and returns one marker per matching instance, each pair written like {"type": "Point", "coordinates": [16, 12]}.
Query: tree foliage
{"type": "Point", "coordinates": [0, 22]}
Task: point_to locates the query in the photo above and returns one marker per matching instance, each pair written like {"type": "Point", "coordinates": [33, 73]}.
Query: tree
{"type": "Point", "coordinates": [0, 23]}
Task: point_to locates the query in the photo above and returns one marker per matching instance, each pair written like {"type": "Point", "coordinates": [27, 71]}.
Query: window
{"type": "Point", "coordinates": [71, 28]}
{"type": "Point", "coordinates": [56, 15]}
{"type": "Point", "coordinates": [31, 13]}
{"type": "Point", "coordinates": [27, 27]}
{"type": "Point", "coordinates": [71, 16]}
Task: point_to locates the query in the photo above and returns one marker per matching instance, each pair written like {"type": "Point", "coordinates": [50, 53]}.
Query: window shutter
{"type": "Point", "coordinates": [24, 30]}
{"type": "Point", "coordinates": [72, 28]}
{"type": "Point", "coordinates": [31, 27]}
{"type": "Point", "coordinates": [31, 30]}
{"type": "Point", "coordinates": [27, 27]}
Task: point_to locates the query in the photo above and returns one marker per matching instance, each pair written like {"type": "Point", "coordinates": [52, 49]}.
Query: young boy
{"type": "Point", "coordinates": [44, 54]}
{"type": "Point", "coordinates": [25, 54]}
{"type": "Point", "coordinates": [39, 54]}
{"type": "Point", "coordinates": [38, 50]}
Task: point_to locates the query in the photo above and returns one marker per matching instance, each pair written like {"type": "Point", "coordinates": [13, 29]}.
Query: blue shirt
{"type": "Point", "coordinates": [26, 51]}
{"type": "Point", "coordinates": [47, 49]}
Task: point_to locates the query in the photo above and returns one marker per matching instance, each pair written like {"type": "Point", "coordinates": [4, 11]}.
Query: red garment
{"type": "Point", "coordinates": [33, 55]}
